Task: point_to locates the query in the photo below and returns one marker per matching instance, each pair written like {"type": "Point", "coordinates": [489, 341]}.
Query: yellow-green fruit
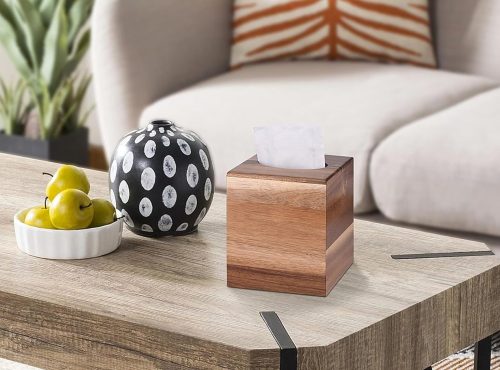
{"type": "Point", "coordinates": [104, 213]}
{"type": "Point", "coordinates": [39, 217]}
{"type": "Point", "coordinates": [67, 177]}
{"type": "Point", "coordinates": [71, 209]}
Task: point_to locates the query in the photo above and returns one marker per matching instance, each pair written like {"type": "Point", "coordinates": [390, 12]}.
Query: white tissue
{"type": "Point", "coordinates": [290, 146]}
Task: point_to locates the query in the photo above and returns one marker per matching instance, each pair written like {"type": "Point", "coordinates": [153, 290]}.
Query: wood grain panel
{"type": "Point", "coordinates": [54, 337]}
{"type": "Point", "coordinates": [276, 235]}
{"type": "Point", "coordinates": [339, 257]}
{"type": "Point", "coordinates": [340, 202]}
{"type": "Point", "coordinates": [252, 168]}
{"type": "Point", "coordinates": [419, 336]}
{"type": "Point", "coordinates": [280, 224]}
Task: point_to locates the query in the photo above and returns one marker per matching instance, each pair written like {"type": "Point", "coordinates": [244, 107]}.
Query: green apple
{"type": "Point", "coordinates": [71, 209]}
{"type": "Point", "coordinates": [104, 213]}
{"type": "Point", "coordinates": [67, 177]}
{"type": "Point", "coordinates": [39, 217]}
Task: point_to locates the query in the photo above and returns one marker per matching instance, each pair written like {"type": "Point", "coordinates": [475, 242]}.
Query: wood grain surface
{"type": "Point", "coordinates": [283, 228]}
{"type": "Point", "coordinates": [252, 168]}
{"type": "Point", "coordinates": [164, 303]}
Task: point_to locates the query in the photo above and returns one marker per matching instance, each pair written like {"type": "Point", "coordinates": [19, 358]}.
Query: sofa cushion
{"type": "Point", "coordinates": [357, 105]}
{"type": "Point", "coordinates": [340, 29]}
{"type": "Point", "coordinates": [444, 170]}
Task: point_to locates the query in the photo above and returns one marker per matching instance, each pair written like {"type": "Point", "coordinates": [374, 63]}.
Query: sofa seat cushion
{"type": "Point", "coordinates": [443, 170]}
{"type": "Point", "coordinates": [357, 105]}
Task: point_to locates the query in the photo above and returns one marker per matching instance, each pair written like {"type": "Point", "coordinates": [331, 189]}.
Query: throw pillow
{"type": "Point", "coordinates": [395, 31]}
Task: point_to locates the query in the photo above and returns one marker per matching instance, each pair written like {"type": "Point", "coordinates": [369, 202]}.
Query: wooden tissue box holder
{"type": "Point", "coordinates": [289, 230]}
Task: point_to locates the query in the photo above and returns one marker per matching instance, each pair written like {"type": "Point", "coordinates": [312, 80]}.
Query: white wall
{"type": "Point", "coordinates": [8, 74]}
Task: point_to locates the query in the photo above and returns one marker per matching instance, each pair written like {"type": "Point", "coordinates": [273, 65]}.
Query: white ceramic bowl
{"type": "Point", "coordinates": [66, 244]}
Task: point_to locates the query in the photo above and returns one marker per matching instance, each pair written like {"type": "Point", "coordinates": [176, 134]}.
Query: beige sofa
{"type": "Point", "coordinates": [426, 142]}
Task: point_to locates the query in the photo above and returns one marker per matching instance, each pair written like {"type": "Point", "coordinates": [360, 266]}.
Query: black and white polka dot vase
{"type": "Point", "coordinates": [161, 179]}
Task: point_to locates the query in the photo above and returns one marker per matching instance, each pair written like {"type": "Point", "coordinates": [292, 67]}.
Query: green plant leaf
{"type": "Point", "coordinates": [30, 24]}
{"type": "Point", "coordinates": [12, 107]}
{"type": "Point", "coordinates": [58, 115]}
{"type": "Point", "coordinates": [85, 116]}
{"type": "Point", "coordinates": [46, 42]}
{"type": "Point", "coordinates": [82, 88]}
{"type": "Point", "coordinates": [49, 113]}
{"type": "Point", "coordinates": [47, 10]}
{"type": "Point", "coordinates": [6, 12]}
{"type": "Point", "coordinates": [78, 15]}
{"type": "Point", "coordinates": [8, 38]}
{"type": "Point", "coordinates": [75, 101]}
{"type": "Point", "coordinates": [4, 88]}
{"type": "Point", "coordinates": [17, 27]}
{"type": "Point", "coordinates": [55, 49]}
{"type": "Point", "coordinates": [76, 57]}
{"type": "Point", "coordinates": [36, 3]}
{"type": "Point", "coordinates": [41, 100]}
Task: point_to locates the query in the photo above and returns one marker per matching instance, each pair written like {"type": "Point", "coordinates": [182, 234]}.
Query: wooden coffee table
{"type": "Point", "coordinates": [164, 303]}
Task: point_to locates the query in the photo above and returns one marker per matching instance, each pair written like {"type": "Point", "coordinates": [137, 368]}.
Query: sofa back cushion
{"type": "Point", "coordinates": [467, 36]}
{"type": "Point", "coordinates": [375, 30]}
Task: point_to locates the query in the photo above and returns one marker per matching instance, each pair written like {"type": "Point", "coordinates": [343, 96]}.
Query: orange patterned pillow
{"type": "Point", "coordinates": [394, 31]}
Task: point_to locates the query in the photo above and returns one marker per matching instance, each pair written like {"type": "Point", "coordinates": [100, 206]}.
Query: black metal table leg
{"type": "Point", "coordinates": [482, 354]}
{"type": "Point", "coordinates": [288, 351]}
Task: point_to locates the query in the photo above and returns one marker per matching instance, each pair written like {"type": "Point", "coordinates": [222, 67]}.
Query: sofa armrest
{"type": "Point", "coordinates": [143, 50]}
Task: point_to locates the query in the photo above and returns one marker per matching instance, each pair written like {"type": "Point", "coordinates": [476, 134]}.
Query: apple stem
{"type": "Point", "coordinates": [46, 173]}
{"type": "Point", "coordinates": [45, 203]}
{"type": "Point", "coordinates": [87, 206]}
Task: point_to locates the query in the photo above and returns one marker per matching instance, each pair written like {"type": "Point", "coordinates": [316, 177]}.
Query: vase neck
{"type": "Point", "coordinates": [162, 122]}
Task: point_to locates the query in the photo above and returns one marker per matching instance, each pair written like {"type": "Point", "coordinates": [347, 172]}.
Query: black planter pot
{"type": "Point", "coordinates": [161, 179]}
{"type": "Point", "coordinates": [72, 148]}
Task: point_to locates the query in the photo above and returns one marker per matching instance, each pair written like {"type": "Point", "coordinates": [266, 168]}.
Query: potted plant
{"type": "Point", "coordinates": [42, 116]}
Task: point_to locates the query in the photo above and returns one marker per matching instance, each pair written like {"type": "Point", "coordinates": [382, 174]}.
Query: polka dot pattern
{"type": "Point", "coordinates": [146, 228]}
{"type": "Point", "coordinates": [169, 196]}
{"type": "Point", "coordinates": [128, 162]}
{"type": "Point", "coordinates": [192, 175]}
{"type": "Point", "coordinates": [208, 189]}
{"type": "Point", "coordinates": [165, 223]}
{"type": "Point", "coordinates": [191, 204]}
{"type": "Point", "coordinates": [126, 217]}
{"type": "Point", "coordinates": [145, 207]}
{"type": "Point", "coordinates": [112, 171]}
{"type": "Point", "coordinates": [148, 178]}
{"type": "Point", "coordinates": [187, 136]}
{"type": "Point", "coordinates": [112, 197]}
{"type": "Point", "coordinates": [161, 179]}
{"type": "Point", "coordinates": [185, 148]}
{"type": "Point", "coordinates": [139, 138]}
{"type": "Point", "coordinates": [204, 159]}
{"type": "Point", "coordinates": [150, 149]}
{"type": "Point", "coordinates": [124, 191]}
{"type": "Point", "coordinates": [169, 166]}
{"type": "Point", "coordinates": [165, 141]}
{"type": "Point", "coordinates": [200, 216]}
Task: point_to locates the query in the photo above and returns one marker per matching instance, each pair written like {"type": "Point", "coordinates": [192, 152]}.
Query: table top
{"type": "Point", "coordinates": [178, 284]}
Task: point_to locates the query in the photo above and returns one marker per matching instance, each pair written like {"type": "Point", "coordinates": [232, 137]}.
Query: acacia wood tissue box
{"type": "Point", "coordinates": [289, 230]}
